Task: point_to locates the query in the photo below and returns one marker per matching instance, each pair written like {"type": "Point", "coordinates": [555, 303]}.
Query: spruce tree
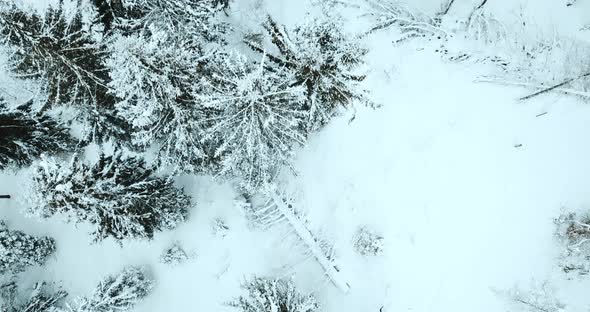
{"type": "Point", "coordinates": [257, 119]}
{"type": "Point", "coordinates": [24, 136]}
{"type": "Point", "coordinates": [118, 293]}
{"type": "Point", "coordinates": [263, 295]}
{"type": "Point", "coordinates": [120, 196]}
{"type": "Point", "coordinates": [155, 75]}
{"type": "Point", "coordinates": [62, 55]}
{"type": "Point", "coordinates": [19, 250]}
{"type": "Point", "coordinates": [323, 59]}
{"type": "Point", "coordinates": [197, 17]}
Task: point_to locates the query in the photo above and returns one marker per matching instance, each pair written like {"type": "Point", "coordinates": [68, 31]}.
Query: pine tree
{"type": "Point", "coordinates": [19, 250]}
{"type": "Point", "coordinates": [62, 55]}
{"type": "Point", "coordinates": [257, 119]}
{"type": "Point", "coordinates": [24, 136]}
{"type": "Point", "coordinates": [109, 12]}
{"type": "Point", "coordinates": [119, 195]}
{"type": "Point", "coordinates": [323, 59]}
{"type": "Point", "coordinates": [118, 293]}
{"type": "Point", "coordinates": [156, 74]}
{"type": "Point", "coordinates": [190, 16]}
{"type": "Point", "coordinates": [264, 295]}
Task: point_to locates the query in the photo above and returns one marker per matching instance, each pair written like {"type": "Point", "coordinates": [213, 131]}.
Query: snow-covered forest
{"type": "Point", "coordinates": [294, 155]}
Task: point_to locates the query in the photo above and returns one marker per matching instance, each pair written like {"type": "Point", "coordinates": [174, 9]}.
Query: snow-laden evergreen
{"type": "Point", "coordinates": [24, 135]}
{"type": "Point", "coordinates": [116, 293]}
{"type": "Point", "coordinates": [257, 119]}
{"type": "Point", "coordinates": [61, 54]}
{"type": "Point", "coordinates": [19, 250]}
{"type": "Point", "coordinates": [155, 75]}
{"type": "Point", "coordinates": [268, 294]}
{"type": "Point", "coordinates": [323, 59]}
{"type": "Point", "coordinates": [197, 17]}
{"type": "Point", "coordinates": [119, 195]}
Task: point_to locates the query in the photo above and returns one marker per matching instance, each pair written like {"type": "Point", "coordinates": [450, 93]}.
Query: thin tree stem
{"type": "Point", "coordinates": [549, 89]}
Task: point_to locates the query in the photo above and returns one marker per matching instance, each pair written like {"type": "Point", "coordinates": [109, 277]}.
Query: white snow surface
{"type": "Point", "coordinates": [435, 170]}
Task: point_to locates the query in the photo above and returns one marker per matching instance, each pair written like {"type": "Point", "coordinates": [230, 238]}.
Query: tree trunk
{"type": "Point", "coordinates": [331, 270]}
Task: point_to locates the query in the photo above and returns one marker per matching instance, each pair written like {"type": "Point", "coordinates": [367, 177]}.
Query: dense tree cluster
{"type": "Point", "coordinates": [62, 55]}
{"type": "Point", "coordinates": [161, 78]}
{"type": "Point", "coordinates": [161, 75]}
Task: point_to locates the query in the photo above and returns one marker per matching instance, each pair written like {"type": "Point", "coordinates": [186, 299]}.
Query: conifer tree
{"type": "Point", "coordinates": [323, 59]}
{"type": "Point", "coordinates": [109, 13]}
{"type": "Point", "coordinates": [61, 54]}
{"type": "Point", "coordinates": [155, 75]}
{"type": "Point", "coordinates": [118, 293]}
{"type": "Point", "coordinates": [264, 295]}
{"type": "Point", "coordinates": [19, 250]}
{"type": "Point", "coordinates": [189, 16]}
{"type": "Point", "coordinates": [120, 196]}
{"type": "Point", "coordinates": [24, 136]}
{"type": "Point", "coordinates": [257, 119]}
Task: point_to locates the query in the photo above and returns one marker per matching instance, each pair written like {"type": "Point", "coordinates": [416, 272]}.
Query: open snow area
{"type": "Point", "coordinates": [460, 179]}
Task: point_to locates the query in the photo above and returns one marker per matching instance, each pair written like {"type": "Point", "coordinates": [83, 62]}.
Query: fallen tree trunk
{"type": "Point", "coordinates": [331, 270]}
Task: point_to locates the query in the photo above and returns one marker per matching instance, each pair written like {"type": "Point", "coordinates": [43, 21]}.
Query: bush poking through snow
{"type": "Point", "coordinates": [19, 250]}
{"type": "Point", "coordinates": [410, 22]}
{"type": "Point", "coordinates": [265, 295]}
{"type": "Point", "coordinates": [366, 242]}
{"type": "Point", "coordinates": [573, 230]}
{"type": "Point", "coordinates": [323, 60]}
{"type": "Point", "coordinates": [117, 293]}
{"type": "Point", "coordinates": [175, 255]}
{"type": "Point", "coordinates": [119, 196]}
{"type": "Point", "coordinates": [540, 298]}
{"type": "Point", "coordinates": [219, 227]}
{"type": "Point", "coordinates": [24, 136]}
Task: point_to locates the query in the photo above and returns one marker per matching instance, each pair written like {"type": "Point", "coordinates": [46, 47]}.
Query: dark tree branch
{"type": "Point", "coordinates": [551, 88]}
{"type": "Point", "coordinates": [479, 7]}
{"type": "Point", "coordinates": [5, 196]}
{"type": "Point", "coordinates": [446, 8]}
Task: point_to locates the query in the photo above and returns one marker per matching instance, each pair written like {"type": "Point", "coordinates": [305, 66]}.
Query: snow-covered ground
{"type": "Point", "coordinates": [462, 180]}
